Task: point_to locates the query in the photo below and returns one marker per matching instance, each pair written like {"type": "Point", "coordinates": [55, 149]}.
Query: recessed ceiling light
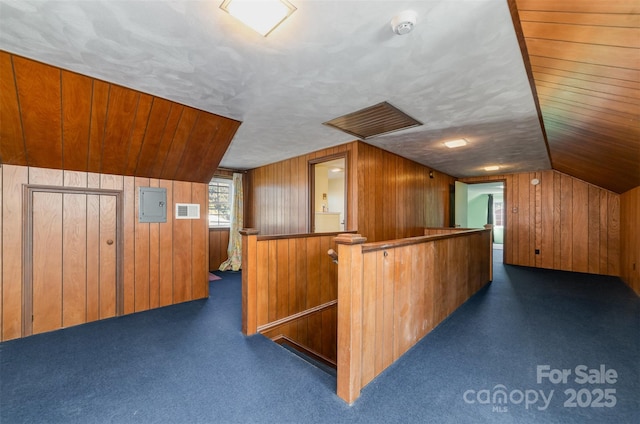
{"type": "Point", "coordinates": [455, 143]}
{"type": "Point", "coordinates": [262, 16]}
{"type": "Point", "coordinates": [491, 168]}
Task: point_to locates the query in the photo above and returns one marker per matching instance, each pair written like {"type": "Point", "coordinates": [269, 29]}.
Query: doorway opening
{"type": "Point", "coordinates": [328, 195]}
{"type": "Point", "coordinates": [483, 203]}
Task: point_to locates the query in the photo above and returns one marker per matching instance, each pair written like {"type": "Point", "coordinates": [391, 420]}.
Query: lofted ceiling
{"type": "Point", "coordinates": [52, 118]}
{"type": "Point", "coordinates": [584, 60]}
{"type": "Point", "coordinates": [461, 72]}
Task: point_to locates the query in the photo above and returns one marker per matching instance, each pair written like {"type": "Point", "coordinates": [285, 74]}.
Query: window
{"type": "Point", "coordinates": [220, 196]}
{"type": "Point", "coordinates": [497, 214]}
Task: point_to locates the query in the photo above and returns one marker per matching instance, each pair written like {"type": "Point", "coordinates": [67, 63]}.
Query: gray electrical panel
{"type": "Point", "coordinates": [153, 204]}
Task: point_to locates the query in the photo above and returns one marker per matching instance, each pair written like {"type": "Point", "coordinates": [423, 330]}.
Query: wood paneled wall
{"type": "Point", "coordinates": [53, 118]}
{"type": "Point", "coordinates": [391, 294]}
{"type": "Point", "coordinates": [396, 196]}
{"type": "Point", "coordinates": [278, 194]}
{"type": "Point", "coordinates": [288, 277]}
{"type": "Point", "coordinates": [630, 238]}
{"type": "Point", "coordinates": [162, 263]}
{"type": "Point", "coordinates": [218, 243]}
{"type": "Point", "coordinates": [574, 225]}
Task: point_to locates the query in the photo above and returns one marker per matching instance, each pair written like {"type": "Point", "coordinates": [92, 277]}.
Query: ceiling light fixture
{"type": "Point", "coordinates": [455, 143]}
{"type": "Point", "coordinates": [491, 168]}
{"type": "Point", "coordinates": [336, 170]}
{"type": "Point", "coordinates": [263, 16]}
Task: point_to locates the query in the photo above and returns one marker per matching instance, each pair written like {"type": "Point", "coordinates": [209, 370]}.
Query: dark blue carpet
{"type": "Point", "coordinates": [189, 363]}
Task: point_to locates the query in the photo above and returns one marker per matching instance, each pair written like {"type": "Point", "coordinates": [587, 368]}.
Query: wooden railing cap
{"type": "Point", "coordinates": [249, 231]}
{"type": "Point", "coordinates": [350, 239]}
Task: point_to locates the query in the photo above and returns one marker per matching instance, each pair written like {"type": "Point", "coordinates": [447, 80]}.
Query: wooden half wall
{"type": "Point", "coordinates": [391, 294]}
{"type": "Point", "coordinates": [289, 289]}
{"type": "Point", "coordinates": [574, 225]}
{"type": "Point", "coordinates": [161, 263]}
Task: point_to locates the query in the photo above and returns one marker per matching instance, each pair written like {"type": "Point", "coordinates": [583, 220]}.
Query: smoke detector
{"type": "Point", "coordinates": [403, 22]}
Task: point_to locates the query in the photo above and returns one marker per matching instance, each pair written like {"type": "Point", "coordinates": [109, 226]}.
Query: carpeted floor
{"type": "Point", "coordinates": [190, 363]}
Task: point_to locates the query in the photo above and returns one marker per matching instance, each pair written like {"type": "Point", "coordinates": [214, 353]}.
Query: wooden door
{"type": "Point", "coordinates": [72, 258]}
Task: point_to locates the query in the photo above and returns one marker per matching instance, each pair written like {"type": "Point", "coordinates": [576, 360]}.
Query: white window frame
{"type": "Point", "coordinates": [214, 220]}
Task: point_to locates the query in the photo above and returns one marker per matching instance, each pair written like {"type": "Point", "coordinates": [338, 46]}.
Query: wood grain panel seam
{"type": "Point", "coordinates": [105, 126]}
{"type": "Point", "coordinates": [15, 83]}
{"type": "Point", "coordinates": [173, 137]}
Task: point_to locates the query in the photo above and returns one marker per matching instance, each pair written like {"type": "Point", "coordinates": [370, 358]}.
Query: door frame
{"type": "Point", "coordinates": [312, 187]}
{"type": "Point", "coordinates": [505, 215]}
{"type": "Point", "coordinates": [27, 245]}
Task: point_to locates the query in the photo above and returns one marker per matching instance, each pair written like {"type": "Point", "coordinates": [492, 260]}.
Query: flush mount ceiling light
{"type": "Point", "coordinates": [491, 168]}
{"type": "Point", "coordinates": [452, 144]}
{"type": "Point", "coordinates": [263, 16]}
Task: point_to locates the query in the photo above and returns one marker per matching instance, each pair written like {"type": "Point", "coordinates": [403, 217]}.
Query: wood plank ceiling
{"type": "Point", "coordinates": [53, 118]}
{"type": "Point", "coordinates": [583, 59]}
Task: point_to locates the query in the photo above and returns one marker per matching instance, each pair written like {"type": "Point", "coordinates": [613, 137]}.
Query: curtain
{"type": "Point", "coordinates": [234, 250]}
{"type": "Point", "coordinates": [490, 209]}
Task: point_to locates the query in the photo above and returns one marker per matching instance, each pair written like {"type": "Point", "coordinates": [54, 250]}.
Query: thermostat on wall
{"type": "Point", "coordinates": [187, 211]}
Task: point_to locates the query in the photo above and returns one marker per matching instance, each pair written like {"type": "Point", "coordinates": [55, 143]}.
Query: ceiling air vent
{"type": "Point", "coordinates": [373, 121]}
{"type": "Point", "coordinates": [187, 211]}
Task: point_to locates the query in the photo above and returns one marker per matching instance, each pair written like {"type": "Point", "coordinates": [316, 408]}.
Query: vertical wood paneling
{"type": "Point", "coordinates": [121, 112]}
{"type": "Point", "coordinates": [74, 259]}
{"type": "Point", "coordinates": [53, 118]}
{"type": "Point", "coordinates": [566, 222]}
{"type": "Point", "coordinates": [593, 231]}
{"type": "Point", "coordinates": [108, 256]}
{"type": "Point", "coordinates": [93, 257]}
{"type": "Point", "coordinates": [1, 251]}
{"type": "Point", "coordinates": [613, 234]}
{"type": "Point", "coordinates": [99, 102]}
{"type": "Point", "coordinates": [153, 136]}
{"type": "Point", "coordinates": [580, 234]}
{"type": "Point", "coordinates": [40, 111]}
{"type": "Point", "coordinates": [138, 132]}
{"type": "Point", "coordinates": [373, 176]}
{"type": "Point", "coordinates": [388, 271]}
{"type": "Point", "coordinates": [577, 230]}
{"type": "Point", "coordinates": [86, 274]}
{"type": "Point", "coordinates": [218, 244]}
{"type": "Point", "coordinates": [167, 139]}
{"type": "Point", "coordinates": [181, 246]}
{"type": "Point", "coordinates": [547, 211]}
{"type": "Point", "coordinates": [142, 252]}
{"type": "Point", "coordinates": [385, 302]}
{"type": "Point", "coordinates": [129, 209]}
{"type": "Point", "coordinates": [630, 238]}
{"type": "Point", "coordinates": [76, 116]}
{"type": "Point", "coordinates": [12, 148]}
{"type": "Point", "coordinates": [557, 221]}
{"type": "Point", "coordinates": [154, 259]}
{"type": "Point", "coordinates": [199, 244]}
{"type": "Point", "coordinates": [13, 177]}
{"type": "Point", "coordinates": [166, 250]}
{"type": "Point", "coordinates": [47, 262]}
{"type": "Point", "coordinates": [262, 290]}
{"type": "Point", "coordinates": [604, 235]}
{"type": "Point", "coordinates": [369, 292]}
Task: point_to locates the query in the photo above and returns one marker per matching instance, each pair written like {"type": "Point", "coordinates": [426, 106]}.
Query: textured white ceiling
{"type": "Point", "coordinates": [460, 72]}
